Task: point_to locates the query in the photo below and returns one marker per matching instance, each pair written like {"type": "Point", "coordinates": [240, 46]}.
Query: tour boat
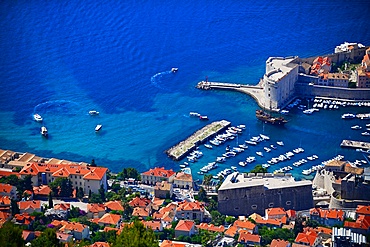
{"type": "Point", "coordinates": [98, 127]}
{"type": "Point", "coordinates": [93, 112]}
{"type": "Point", "coordinates": [203, 117]}
{"type": "Point", "coordinates": [174, 70]}
{"type": "Point", "coordinates": [194, 114]}
{"type": "Point", "coordinates": [37, 117]}
{"type": "Point", "coordinates": [267, 118]}
{"type": "Point", "coordinates": [44, 131]}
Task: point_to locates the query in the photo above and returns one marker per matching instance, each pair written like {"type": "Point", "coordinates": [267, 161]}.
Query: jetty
{"type": "Point", "coordinates": [355, 144]}
{"type": "Point", "coordinates": [181, 149]}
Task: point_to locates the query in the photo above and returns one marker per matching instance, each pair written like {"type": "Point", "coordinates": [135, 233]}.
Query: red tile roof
{"type": "Point", "coordinates": [291, 213]}
{"type": "Point", "coordinates": [245, 236]}
{"type": "Point", "coordinates": [231, 232]}
{"type": "Point", "coordinates": [361, 209]}
{"type": "Point", "coordinates": [100, 244]}
{"type": "Point", "coordinates": [184, 177]}
{"type": "Point", "coordinates": [190, 206]}
{"type": "Point", "coordinates": [279, 243]}
{"type": "Point", "coordinates": [185, 225]}
{"type": "Point", "coordinates": [114, 205]}
{"type": "Point", "coordinates": [328, 213]}
{"type": "Point", "coordinates": [5, 215]}
{"type": "Point", "coordinates": [273, 212]}
{"type": "Point", "coordinates": [140, 212]}
{"type": "Point", "coordinates": [211, 227]}
{"type": "Point", "coordinates": [362, 222]}
{"type": "Point", "coordinates": [139, 202]}
{"type": "Point", "coordinates": [306, 239]}
{"type": "Point", "coordinates": [159, 172]}
{"type": "Point", "coordinates": [62, 206]}
{"type": "Point", "coordinates": [24, 218]}
{"type": "Point", "coordinates": [6, 188]}
{"type": "Point", "coordinates": [110, 219]}
{"type": "Point", "coordinates": [95, 207]}
{"type": "Point", "coordinates": [5, 200]}
{"type": "Point", "coordinates": [73, 226]}
{"type": "Point", "coordinates": [42, 190]}
{"type": "Point", "coordinates": [244, 225]}
{"type": "Point", "coordinates": [154, 225]}
{"type": "Point", "coordinates": [24, 205]}
{"type": "Point", "coordinates": [169, 243]}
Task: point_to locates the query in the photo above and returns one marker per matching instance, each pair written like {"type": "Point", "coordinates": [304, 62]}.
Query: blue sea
{"type": "Point", "coordinates": [61, 59]}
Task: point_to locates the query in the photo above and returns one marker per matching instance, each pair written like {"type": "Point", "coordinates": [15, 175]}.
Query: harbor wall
{"type": "Point", "coordinates": [345, 203]}
{"type": "Point", "coordinates": [304, 90]}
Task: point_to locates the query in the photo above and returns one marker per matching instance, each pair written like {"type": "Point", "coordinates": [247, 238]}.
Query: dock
{"type": "Point", "coordinates": [181, 149]}
{"type": "Point", "coordinates": [355, 144]}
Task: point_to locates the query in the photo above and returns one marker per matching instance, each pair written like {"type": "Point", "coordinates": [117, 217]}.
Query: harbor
{"type": "Point", "coordinates": [355, 144]}
{"type": "Point", "coordinates": [181, 149]}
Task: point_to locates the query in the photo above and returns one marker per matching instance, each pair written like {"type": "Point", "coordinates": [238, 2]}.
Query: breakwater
{"type": "Point", "coordinates": [181, 149]}
{"type": "Point", "coordinates": [355, 144]}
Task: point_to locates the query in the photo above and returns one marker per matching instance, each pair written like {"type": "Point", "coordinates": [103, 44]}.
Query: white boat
{"type": "Point", "coordinates": [280, 143]}
{"type": "Point", "coordinates": [93, 112]}
{"type": "Point", "coordinates": [182, 166]}
{"type": "Point", "coordinates": [368, 125]}
{"type": "Point", "coordinates": [251, 142]}
{"type": "Point", "coordinates": [284, 111]}
{"type": "Point", "coordinates": [241, 126]}
{"type": "Point", "coordinates": [194, 114]}
{"type": "Point", "coordinates": [220, 159]}
{"type": "Point", "coordinates": [307, 172]}
{"type": "Point", "coordinates": [356, 127]}
{"type": "Point", "coordinates": [365, 133]}
{"type": "Point", "coordinates": [203, 117]}
{"type": "Point", "coordinates": [37, 117]}
{"type": "Point", "coordinates": [264, 137]}
{"type": "Point", "coordinates": [308, 111]}
{"type": "Point", "coordinates": [98, 127]}
{"type": "Point", "coordinates": [348, 116]}
{"type": "Point", "coordinates": [174, 70]}
{"type": "Point", "coordinates": [267, 149]}
{"type": "Point", "coordinates": [234, 168]}
{"type": "Point", "coordinates": [44, 131]}
{"type": "Point", "coordinates": [259, 154]}
{"type": "Point", "coordinates": [208, 146]}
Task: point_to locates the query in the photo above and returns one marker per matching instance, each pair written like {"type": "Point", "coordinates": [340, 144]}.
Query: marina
{"type": "Point", "coordinates": [181, 149]}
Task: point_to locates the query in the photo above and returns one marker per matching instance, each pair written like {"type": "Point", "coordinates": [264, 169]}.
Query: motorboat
{"type": "Point", "coordinates": [284, 111]}
{"type": "Point", "coordinates": [44, 131]}
{"type": "Point", "coordinates": [264, 137]}
{"type": "Point", "coordinates": [365, 133]}
{"type": "Point", "coordinates": [174, 70]}
{"type": "Point", "coordinates": [220, 159]}
{"type": "Point", "coordinates": [267, 149]}
{"type": "Point", "coordinates": [194, 114]}
{"type": "Point", "coordinates": [93, 112]}
{"type": "Point", "coordinates": [280, 143]}
{"type": "Point", "coordinates": [208, 146]}
{"type": "Point", "coordinates": [37, 117]}
{"type": "Point", "coordinates": [98, 127]}
{"type": "Point", "coordinates": [203, 117]}
{"type": "Point", "coordinates": [348, 116]}
{"type": "Point", "coordinates": [259, 154]}
{"type": "Point", "coordinates": [251, 142]}
{"type": "Point", "coordinates": [356, 127]}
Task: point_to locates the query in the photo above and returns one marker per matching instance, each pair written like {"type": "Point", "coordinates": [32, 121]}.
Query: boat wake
{"type": "Point", "coordinates": [59, 107]}
{"type": "Point", "coordinates": [156, 79]}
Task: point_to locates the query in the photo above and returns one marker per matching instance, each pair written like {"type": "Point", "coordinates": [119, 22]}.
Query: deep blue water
{"type": "Point", "coordinates": [62, 59]}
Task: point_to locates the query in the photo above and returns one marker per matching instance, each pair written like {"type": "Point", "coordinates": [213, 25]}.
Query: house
{"type": "Point", "coordinates": [246, 225]}
{"type": "Point", "coordinates": [157, 174]}
{"type": "Point", "coordinates": [185, 228]}
{"type": "Point", "coordinates": [272, 222]}
{"type": "Point", "coordinates": [113, 206]}
{"type": "Point", "coordinates": [29, 206]}
{"type": "Point", "coordinates": [211, 227]}
{"type": "Point", "coordinates": [166, 214]}
{"type": "Point", "coordinates": [363, 72]}
{"type": "Point", "coordinates": [321, 65]}
{"type": "Point", "coordinates": [140, 202]}
{"type": "Point", "coordinates": [335, 165]}
{"type": "Point", "coordinates": [142, 213]}
{"type": "Point", "coordinates": [163, 190]}
{"type": "Point", "coordinates": [190, 210]}
{"type": "Point", "coordinates": [362, 224]}
{"type": "Point", "coordinates": [5, 216]}
{"type": "Point", "coordinates": [248, 239]}
{"type": "Point", "coordinates": [41, 191]}
{"type": "Point", "coordinates": [308, 239]}
{"type": "Point", "coordinates": [183, 180]}
{"type": "Point", "coordinates": [84, 176]}
{"type": "Point", "coordinates": [95, 210]}
{"type": "Point", "coordinates": [345, 237]}
{"type": "Point", "coordinates": [231, 231]}
{"type": "Point", "coordinates": [291, 215]}
{"type": "Point", "coordinates": [110, 220]}
{"type": "Point", "coordinates": [24, 219]}
{"type": "Point", "coordinates": [5, 202]}
{"type": "Point", "coordinates": [8, 190]}
{"type": "Point", "coordinates": [78, 230]}
{"type": "Point", "coordinates": [100, 244]}
{"type": "Point", "coordinates": [169, 243]}
{"type": "Point", "coordinates": [156, 226]}
{"type": "Point", "coordinates": [363, 210]}
{"type": "Point", "coordinates": [328, 217]}
{"type": "Point", "coordinates": [279, 243]}
{"type": "Point", "coordinates": [64, 237]}
{"type": "Point", "coordinates": [28, 236]}
{"type": "Point", "coordinates": [62, 206]}
{"type": "Point", "coordinates": [274, 213]}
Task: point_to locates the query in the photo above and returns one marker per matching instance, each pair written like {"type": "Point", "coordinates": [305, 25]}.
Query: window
{"type": "Point", "coordinates": [288, 203]}
{"type": "Point", "coordinates": [236, 208]}
{"type": "Point", "coordinates": [254, 206]}
{"type": "Point", "coordinates": [271, 204]}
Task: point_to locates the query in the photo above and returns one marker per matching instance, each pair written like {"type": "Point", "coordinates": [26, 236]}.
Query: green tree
{"type": "Point", "coordinates": [217, 218]}
{"type": "Point", "coordinates": [207, 180]}
{"type": "Point", "coordinates": [258, 169]}
{"type": "Point", "coordinates": [80, 193]}
{"type": "Point", "coordinates": [136, 235]}
{"type": "Point", "coordinates": [109, 236]}
{"type": "Point", "coordinates": [230, 219]}
{"type": "Point", "coordinates": [93, 163]}
{"type": "Point", "coordinates": [14, 207]}
{"type": "Point", "coordinates": [202, 195]}
{"type": "Point", "coordinates": [11, 235]}
{"type": "Point", "coordinates": [50, 200]}
{"type": "Point", "coordinates": [61, 187]}
{"type": "Point", "coordinates": [47, 239]}
{"type": "Point", "coordinates": [95, 198]}
{"type": "Point", "coordinates": [128, 172]}
{"type": "Point", "coordinates": [102, 193]}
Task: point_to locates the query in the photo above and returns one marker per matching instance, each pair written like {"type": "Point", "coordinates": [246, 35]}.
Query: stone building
{"type": "Point", "coordinates": [244, 194]}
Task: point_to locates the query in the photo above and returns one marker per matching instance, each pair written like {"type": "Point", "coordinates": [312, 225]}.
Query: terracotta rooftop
{"type": "Point", "coordinates": [361, 209]}
{"type": "Point", "coordinates": [95, 207]}
{"type": "Point", "coordinates": [244, 224]}
{"type": "Point", "coordinates": [185, 225]}
{"type": "Point", "coordinates": [245, 236]}
{"type": "Point", "coordinates": [73, 226]}
{"type": "Point", "coordinates": [190, 206]}
{"type": "Point", "coordinates": [154, 225]}
{"type": "Point", "coordinates": [362, 222]}
{"type": "Point", "coordinates": [114, 205]}
{"type": "Point", "coordinates": [211, 227]}
{"type": "Point", "coordinates": [140, 212]}
{"type": "Point", "coordinates": [5, 200]}
{"type": "Point", "coordinates": [159, 172]}
{"type": "Point", "coordinates": [6, 188]}
{"type": "Point", "coordinates": [169, 243]}
{"type": "Point", "coordinates": [279, 243]}
{"type": "Point", "coordinates": [62, 206]}
{"type": "Point", "coordinates": [184, 177]}
{"type": "Point", "coordinates": [110, 219]}
{"type": "Point", "coordinates": [139, 202]}
{"type": "Point", "coordinates": [328, 213]}
{"type": "Point", "coordinates": [305, 239]}
{"type": "Point", "coordinates": [24, 205]}
{"type": "Point", "coordinates": [24, 218]}
{"type": "Point", "coordinates": [272, 212]}
{"type": "Point", "coordinates": [231, 232]}
{"type": "Point", "coordinates": [100, 244]}
{"type": "Point", "coordinates": [42, 190]}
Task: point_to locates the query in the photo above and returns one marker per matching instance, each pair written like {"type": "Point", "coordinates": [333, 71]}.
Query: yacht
{"type": "Point", "coordinates": [280, 143]}
{"type": "Point", "coordinates": [356, 127]}
{"type": "Point", "coordinates": [259, 154]}
{"type": "Point", "coordinates": [348, 116]}
{"type": "Point", "coordinates": [365, 133]}
{"type": "Point", "coordinates": [37, 117]}
{"type": "Point", "coordinates": [251, 142]}
{"type": "Point", "coordinates": [44, 131]}
{"type": "Point", "coordinates": [93, 112]}
{"type": "Point", "coordinates": [203, 117]}
{"type": "Point", "coordinates": [174, 70]}
{"type": "Point", "coordinates": [194, 114]}
{"type": "Point", "coordinates": [208, 146]}
{"type": "Point", "coordinates": [264, 137]}
{"type": "Point", "coordinates": [220, 159]}
{"type": "Point", "coordinates": [267, 149]}
{"type": "Point", "coordinates": [98, 127]}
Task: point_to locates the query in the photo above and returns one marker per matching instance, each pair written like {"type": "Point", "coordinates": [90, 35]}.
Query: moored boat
{"type": "Point", "coordinates": [174, 70]}
{"type": "Point", "coordinates": [98, 127]}
{"type": "Point", "coordinates": [37, 117]}
{"type": "Point", "coordinates": [208, 146]}
{"type": "Point", "coordinates": [356, 127]}
{"type": "Point", "coordinates": [93, 112]}
{"type": "Point", "coordinates": [203, 117]}
{"type": "Point", "coordinates": [348, 116]}
{"type": "Point", "coordinates": [194, 114]}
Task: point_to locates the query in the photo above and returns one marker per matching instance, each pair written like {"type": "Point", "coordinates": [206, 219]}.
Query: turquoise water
{"type": "Point", "coordinates": [63, 59]}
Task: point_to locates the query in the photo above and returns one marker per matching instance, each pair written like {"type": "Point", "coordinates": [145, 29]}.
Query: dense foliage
{"type": "Point", "coordinates": [128, 172]}
{"type": "Point", "coordinates": [61, 187]}
{"type": "Point", "coordinates": [268, 234]}
{"type": "Point", "coordinates": [135, 236]}
{"type": "Point", "coordinates": [11, 235]}
{"type": "Point", "coordinates": [258, 169]}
